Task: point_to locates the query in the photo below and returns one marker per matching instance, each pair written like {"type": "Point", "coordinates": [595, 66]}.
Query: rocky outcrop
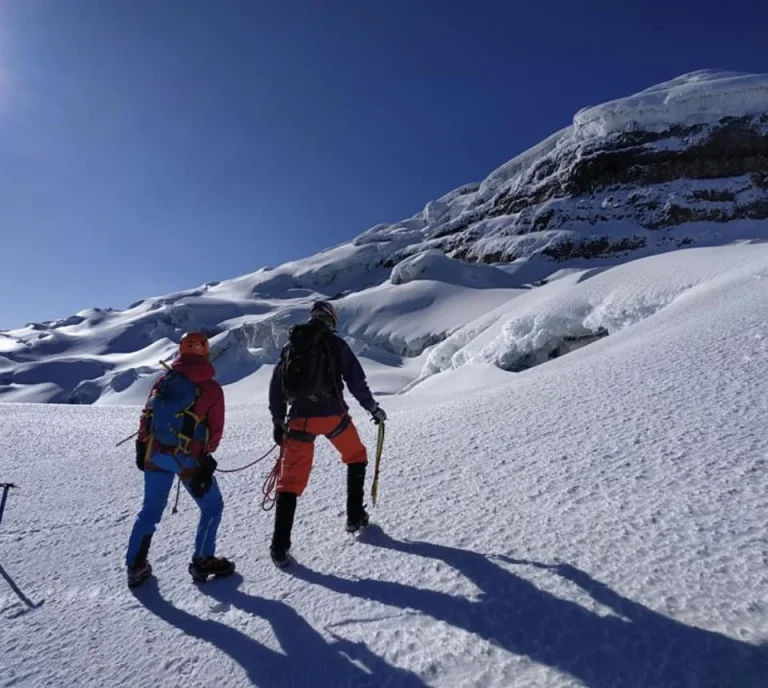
{"type": "Point", "coordinates": [734, 148]}
{"type": "Point", "coordinates": [653, 180]}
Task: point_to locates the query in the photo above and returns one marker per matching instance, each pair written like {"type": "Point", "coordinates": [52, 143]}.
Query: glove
{"type": "Point", "coordinates": [278, 433]}
{"type": "Point", "coordinates": [379, 415]}
{"type": "Point", "coordinates": [202, 481]}
{"type": "Point", "coordinates": [141, 453]}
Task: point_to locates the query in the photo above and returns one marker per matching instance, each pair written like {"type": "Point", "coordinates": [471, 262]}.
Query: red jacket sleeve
{"type": "Point", "coordinates": [214, 414]}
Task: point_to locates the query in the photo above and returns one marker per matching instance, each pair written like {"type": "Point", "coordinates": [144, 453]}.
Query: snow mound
{"type": "Point", "coordinates": [435, 265]}
{"type": "Point", "coordinates": [581, 308]}
{"type": "Point", "coordinates": [409, 318]}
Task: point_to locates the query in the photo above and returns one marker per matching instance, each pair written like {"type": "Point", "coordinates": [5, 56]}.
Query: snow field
{"type": "Point", "coordinates": [595, 521]}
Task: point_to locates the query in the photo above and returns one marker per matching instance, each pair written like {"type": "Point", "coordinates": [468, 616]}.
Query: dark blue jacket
{"type": "Point", "coordinates": [347, 369]}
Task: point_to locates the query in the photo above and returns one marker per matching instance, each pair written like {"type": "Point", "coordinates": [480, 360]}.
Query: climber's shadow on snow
{"type": "Point", "coordinates": [307, 658]}
{"type": "Point", "coordinates": [16, 589]}
{"type": "Point", "coordinates": [633, 648]}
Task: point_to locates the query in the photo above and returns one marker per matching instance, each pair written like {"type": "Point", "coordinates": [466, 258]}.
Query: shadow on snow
{"type": "Point", "coordinates": [637, 648]}
{"type": "Point", "coordinates": [29, 603]}
{"type": "Point", "coordinates": [308, 659]}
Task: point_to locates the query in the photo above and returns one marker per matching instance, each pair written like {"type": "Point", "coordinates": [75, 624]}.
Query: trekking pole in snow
{"type": "Point", "coordinates": [178, 492]}
{"type": "Point", "coordinates": [6, 487]}
{"type": "Point", "coordinates": [130, 437]}
{"type": "Point", "coordinates": [379, 449]}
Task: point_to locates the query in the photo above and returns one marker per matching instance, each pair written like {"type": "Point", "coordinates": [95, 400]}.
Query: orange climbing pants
{"type": "Point", "coordinates": [299, 448]}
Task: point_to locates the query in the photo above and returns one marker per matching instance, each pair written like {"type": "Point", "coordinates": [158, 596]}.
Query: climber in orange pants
{"type": "Point", "coordinates": [310, 377]}
{"type": "Point", "coordinates": [299, 448]}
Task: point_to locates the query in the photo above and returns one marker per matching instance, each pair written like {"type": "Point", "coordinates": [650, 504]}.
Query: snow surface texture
{"type": "Point", "coordinates": [408, 308]}
{"type": "Point", "coordinates": [596, 521]}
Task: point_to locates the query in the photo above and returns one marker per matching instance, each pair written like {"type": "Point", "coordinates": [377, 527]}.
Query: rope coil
{"type": "Point", "coordinates": [270, 483]}
{"type": "Point", "coordinates": [268, 487]}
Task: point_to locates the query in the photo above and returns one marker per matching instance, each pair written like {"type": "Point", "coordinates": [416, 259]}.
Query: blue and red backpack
{"type": "Point", "coordinates": [171, 419]}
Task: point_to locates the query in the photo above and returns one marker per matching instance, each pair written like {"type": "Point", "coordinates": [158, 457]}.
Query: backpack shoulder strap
{"type": "Point", "coordinates": [333, 362]}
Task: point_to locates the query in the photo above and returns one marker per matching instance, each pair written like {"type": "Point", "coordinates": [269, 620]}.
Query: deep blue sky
{"type": "Point", "coordinates": [152, 145]}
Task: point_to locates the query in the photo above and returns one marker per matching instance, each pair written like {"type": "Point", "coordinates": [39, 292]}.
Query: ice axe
{"type": "Point", "coordinates": [6, 487]}
{"type": "Point", "coordinates": [377, 465]}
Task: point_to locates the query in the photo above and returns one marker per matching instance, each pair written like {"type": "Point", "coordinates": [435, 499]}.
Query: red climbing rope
{"type": "Point", "coordinates": [253, 463]}
{"type": "Point", "coordinates": [268, 488]}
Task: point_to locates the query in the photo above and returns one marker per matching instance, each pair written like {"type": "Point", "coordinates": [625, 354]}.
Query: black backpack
{"type": "Point", "coordinates": [307, 363]}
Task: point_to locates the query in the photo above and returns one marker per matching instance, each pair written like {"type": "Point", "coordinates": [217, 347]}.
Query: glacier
{"type": "Point", "coordinates": [679, 165]}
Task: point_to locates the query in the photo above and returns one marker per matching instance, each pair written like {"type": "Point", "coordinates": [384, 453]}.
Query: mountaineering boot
{"type": "Point", "coordinates": [138, 573]}
{"type": "Point", "coordinates": [285, 508]}
{"type": "Point", "coordinates": [357, 516]}
{"type": "Point", "coordinates": [202, 568]}
{"type": "Point", "coordinates": [141, 569]}
{"type": "Point", "coordinates": [361, 522]}
{"type": "Point", "coordinates": [280, 557]}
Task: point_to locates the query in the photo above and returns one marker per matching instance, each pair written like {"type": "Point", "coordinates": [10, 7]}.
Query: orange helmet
{"type": "Point", "coordinates": [195, 343]}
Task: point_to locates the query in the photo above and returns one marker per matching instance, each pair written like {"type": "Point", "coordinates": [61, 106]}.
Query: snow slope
{"type": "Point", "coordinates": [598, 521]}
{"type": "Point", "coordinates": [112, 357]}
{"type": "Point", "coordinates": [582, 307]}
{"type": "Point", "coordinates": [680, 164]}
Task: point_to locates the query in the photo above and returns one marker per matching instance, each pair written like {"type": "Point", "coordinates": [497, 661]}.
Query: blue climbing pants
{"type": "Point", "coordinates": [157, 488]}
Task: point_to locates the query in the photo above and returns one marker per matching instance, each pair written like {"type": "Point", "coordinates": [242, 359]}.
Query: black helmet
{"type": "Point", "coordinates": [323, 310]}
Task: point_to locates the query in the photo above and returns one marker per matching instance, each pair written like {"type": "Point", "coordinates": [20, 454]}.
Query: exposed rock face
{"type": "Point", "coordinates": [733, 148]}
{"type": "Point", "coordinates": [693, 150]}
{"type": "Point", "coordinates": [653, 180]}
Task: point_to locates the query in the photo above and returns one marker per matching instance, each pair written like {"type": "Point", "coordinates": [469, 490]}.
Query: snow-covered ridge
{"type": "Point", "coordinates": [692, 149]}
{"type": "Point", "coordinates": [702, 97]}
{"type": "Point", "coordinates": [679, 165]}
